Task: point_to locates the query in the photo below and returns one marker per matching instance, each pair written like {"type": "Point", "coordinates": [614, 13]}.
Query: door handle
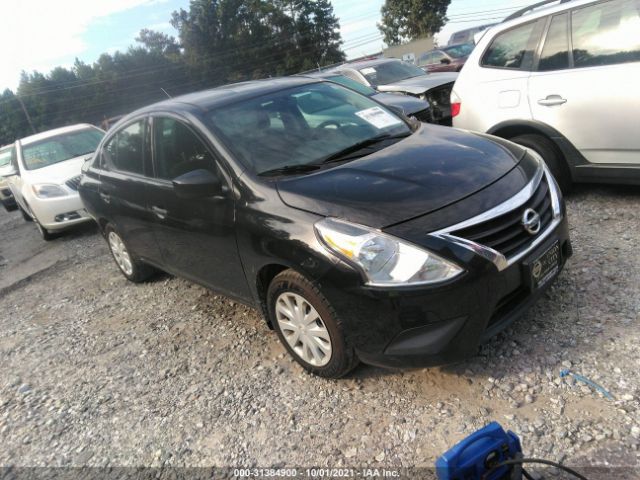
{"type": "Point", "coordinates": [161, 213]}
{"type": "Point", "coordinates": [106, 198]}
{"type": "Point", "coordinates": [552, 100]}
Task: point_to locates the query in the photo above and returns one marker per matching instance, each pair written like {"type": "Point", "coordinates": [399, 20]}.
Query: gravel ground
{"type": "Point", "coordinates": [96, 371]}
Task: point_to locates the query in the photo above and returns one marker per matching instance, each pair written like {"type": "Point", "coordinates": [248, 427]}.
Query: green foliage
{"type": "Point", "coordinates": [404, 20]}
{"type": "Point", "coordinates": [220, 41]}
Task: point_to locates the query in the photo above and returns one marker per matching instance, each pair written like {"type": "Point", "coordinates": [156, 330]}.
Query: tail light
{"type": "Point", "coordinates": [456, 104]}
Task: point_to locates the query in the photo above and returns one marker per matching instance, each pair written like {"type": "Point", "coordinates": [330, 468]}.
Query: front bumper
{"type": "Point", "coordinates": [437, 326]}
{"type": "Point", "coordinates": [59, 213]}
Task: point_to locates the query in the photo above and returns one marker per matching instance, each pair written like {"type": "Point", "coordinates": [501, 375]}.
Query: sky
{"type": "Point", "coordinates": [43, 34]}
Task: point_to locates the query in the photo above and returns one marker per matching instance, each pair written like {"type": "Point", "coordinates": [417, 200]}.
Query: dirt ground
{"type": "Point", "coordinates": [96, 371]}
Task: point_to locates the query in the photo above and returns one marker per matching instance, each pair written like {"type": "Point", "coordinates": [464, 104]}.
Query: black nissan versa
{"type": "Point", "coordinates": [360, 235]}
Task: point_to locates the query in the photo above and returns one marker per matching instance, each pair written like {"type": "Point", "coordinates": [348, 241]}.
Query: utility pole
{"type": "Point", "coordinates": [26, 114]}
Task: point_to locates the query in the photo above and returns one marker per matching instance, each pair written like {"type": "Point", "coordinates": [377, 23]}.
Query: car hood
{"type": "Point", "coordinates": [409, 105]}
{"type": "Point", "coordinates": [433, 168]}
{"type": "Point", "coordinates": [420, 84]}
{"type": "Point", "coordinates": [57, 173]}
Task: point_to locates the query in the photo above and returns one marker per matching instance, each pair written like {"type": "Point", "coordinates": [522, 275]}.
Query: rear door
{"type": "Point", "coordinates": [497, 91]}
{"type": "Point", "coordinates": [196, 236]}
{"type": "Point", "coordinates": [587, 80]}
{"type": "Point", "coordinates": [121, 196]}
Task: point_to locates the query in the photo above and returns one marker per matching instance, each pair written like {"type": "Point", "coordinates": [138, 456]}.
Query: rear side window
{"type": "Point", "coordinates": [124, 151]}
{"type": "Point", "coordinates": [178, 149]}
{"type": "Point", "coordinates": [555, 53]}
{"type": "Point", "coordinates": [606, 33]}
{"type": "Point", "coordinates": [514, 48]}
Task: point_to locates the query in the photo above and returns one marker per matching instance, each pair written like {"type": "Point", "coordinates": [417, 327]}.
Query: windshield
{"type": "Point", "coordinates": [353, 85]}
{"type": "Point", "coordinates": [459, 51]}
{"type": "Point", "coordinates": [60, 148]}
{"type": "Point", "coordinates": [301, 126]}
{"type": "Point", "coordinates": [5, 156]}
{"type": "Point", "coordinates": [390, 72]}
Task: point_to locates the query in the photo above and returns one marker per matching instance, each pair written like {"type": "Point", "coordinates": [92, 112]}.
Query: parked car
{"type": "Point", "coordinates": [405, 104]}
{"type": "Point", "coordinates": [391, 75]}
{"type": "Point", "coordinates": [363, 237]}
{"type": "Point", "coordinates": [6, 197]}
{"type": "Point", "coordinates": [446, 59]}
{"type": "Point", "coordinates": [468, 35]}
{"type": "Point", "coordinates": [45, 173]}
{"type": "Point", "coordinates": [563, 81]}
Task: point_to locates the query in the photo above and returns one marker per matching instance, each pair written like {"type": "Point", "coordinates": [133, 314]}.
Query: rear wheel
{"type": "Point", "coordinates": [131, 267]}
{"type": "Point", "coordinates": [308, 326]}
{"type": "Point", "coordinates": [551, 155]}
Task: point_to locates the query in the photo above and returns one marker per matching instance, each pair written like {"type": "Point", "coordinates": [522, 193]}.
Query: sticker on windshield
{"type": "Point", "coordinates": [368, 71]}
{"type": "Point", "coordinates": [378, 117]}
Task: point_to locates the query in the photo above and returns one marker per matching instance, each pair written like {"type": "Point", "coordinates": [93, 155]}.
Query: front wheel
{"type": "Point", "coordinates": [25, 215]}
{"type": "Point", "coordinates": [131, 267]}
{"type": "Point", "coordinates": [551, 155]}
{"type": "Point", "coordinates": [44, 233]}
{"type": "Point", "coordinates": [308, 326]}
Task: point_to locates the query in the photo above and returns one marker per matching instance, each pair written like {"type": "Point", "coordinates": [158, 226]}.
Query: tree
{"type": "Point", "coordinates": [231, 40]}
{"type": "Point", "coordinates": [410, 19]}
{"type": "Point", "coordinates": [158, 42]}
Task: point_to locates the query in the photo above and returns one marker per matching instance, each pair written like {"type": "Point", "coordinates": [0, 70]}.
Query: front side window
{"type": "Point", "coordinates": [514, 48]}
{"type": "Point", "coordinates": [555, 53]}
{"type": "Point", "coordinates": [61, 147]}
{"type": "Point", "coordinates": [606, 33]}
{"type": "Point", "coordinates": [390, 72]}
{"type": "Point", "coordinates": [178, 150]}
{"type": "Point", "coordinates": [302, 126]}
{"type": "Point", "coordinates": [124, 151]}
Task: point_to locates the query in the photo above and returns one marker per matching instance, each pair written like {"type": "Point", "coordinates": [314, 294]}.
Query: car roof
{"type": "Point", "coordinates": [541, 11]}
{"type": "Point", "coordinates": [364, 64]}
{"type": "Point", "coordinates": [52, 133]}
{"type": "Point", "coordinates": [223, 95]}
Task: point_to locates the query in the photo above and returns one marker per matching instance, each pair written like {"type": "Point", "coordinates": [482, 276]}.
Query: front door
{"type": "Point", "coordinates": [196, 236]}
{"type": "Point", "coordinates": [123, 163]}
{"type": "Point", "coordinates": [592, 94]}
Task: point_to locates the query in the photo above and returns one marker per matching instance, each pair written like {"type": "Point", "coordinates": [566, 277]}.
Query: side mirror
{"type": "Point", "coordinates": [199, 183]}
{"type": "Point", "coordinates": [8, 171]}
{"type": "Point", "coordinates": [445, 61]}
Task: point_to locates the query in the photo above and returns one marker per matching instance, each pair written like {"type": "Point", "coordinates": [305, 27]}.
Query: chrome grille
{"type": "Point", "coordinates": [74, 182]}
{"type": "Point", "coordinates": [505, 233]}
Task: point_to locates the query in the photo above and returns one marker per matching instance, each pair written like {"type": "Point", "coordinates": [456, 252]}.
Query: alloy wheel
{"type": "Point", "coordinates": [120, 253]}
{"type": "Point", "coordinates": [303, 329]}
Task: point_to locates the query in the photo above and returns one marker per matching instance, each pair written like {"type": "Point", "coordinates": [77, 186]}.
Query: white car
{"type": "Point", "coordinates": [45, 174]}
{"type": "Point", "coordinates": [563, 80]}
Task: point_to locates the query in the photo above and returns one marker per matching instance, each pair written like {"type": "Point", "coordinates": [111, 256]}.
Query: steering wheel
{"type": "Point", "coordinates": [327, 123]}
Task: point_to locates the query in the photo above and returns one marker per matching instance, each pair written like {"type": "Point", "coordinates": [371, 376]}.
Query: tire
{"type": "Point", "coordinates": [25, 215]}
{"type": "Point", "coordinates": [332, 356]}
{"type": "Point", "coordinates": [131, 267]}
{"type": "Point", "coordinates": [9, 206]}
{"type": "Point", "coordinates": [44, 233]}
{"type": "Point", "coordinates": [551, 155]}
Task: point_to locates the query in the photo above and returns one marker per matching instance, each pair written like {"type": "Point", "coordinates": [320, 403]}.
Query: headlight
{"type": "Point", "coordinates": [385, 260]}
{"type": "Point", "coordinates": [45, 190]}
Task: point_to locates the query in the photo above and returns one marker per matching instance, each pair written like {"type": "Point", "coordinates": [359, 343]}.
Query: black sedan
{"type": "Point", "coordinates": [359, 234]}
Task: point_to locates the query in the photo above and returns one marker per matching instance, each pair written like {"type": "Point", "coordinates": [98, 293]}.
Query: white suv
{"type": "Point", "coordinates": [565, 81]}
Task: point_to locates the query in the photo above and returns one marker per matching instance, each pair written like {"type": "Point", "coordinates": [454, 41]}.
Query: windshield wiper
{"type": "Point", "coordinates": [290, 170]}
{"type": "Point", "coordinates": [346, 153]}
